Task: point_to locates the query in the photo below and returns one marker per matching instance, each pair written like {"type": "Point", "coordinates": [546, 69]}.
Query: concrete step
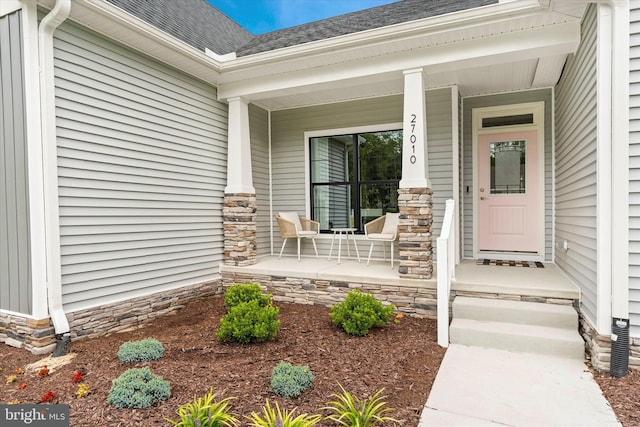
{"type": "Point", "coordinates": [521, 312]}
{"type": "Point", "coordinates": [560, 342]}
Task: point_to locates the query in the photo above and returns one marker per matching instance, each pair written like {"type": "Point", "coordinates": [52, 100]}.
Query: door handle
{"type": "Point", "coordinates": [482, 198]}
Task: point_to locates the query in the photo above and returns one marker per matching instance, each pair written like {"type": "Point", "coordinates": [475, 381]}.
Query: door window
{"type": "Point", "coordinates": [507, 167]}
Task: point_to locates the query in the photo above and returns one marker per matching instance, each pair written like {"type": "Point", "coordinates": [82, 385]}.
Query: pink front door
{"type": "Point", "coordinates": [508, 192]}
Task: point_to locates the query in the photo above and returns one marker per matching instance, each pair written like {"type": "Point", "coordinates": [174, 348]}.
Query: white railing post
{"type": "Point", "coordinates": [445, 272]}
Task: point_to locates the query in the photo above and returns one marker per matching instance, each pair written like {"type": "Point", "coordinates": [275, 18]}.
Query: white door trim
{"type": "Point", "coordinates": [537, 109]}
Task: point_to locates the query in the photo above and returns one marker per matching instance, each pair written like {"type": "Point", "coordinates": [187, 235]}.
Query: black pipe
{"type": "Point", "coordinates": [63, 343]}
{"type": "Point", "coordinates": [619, 347]}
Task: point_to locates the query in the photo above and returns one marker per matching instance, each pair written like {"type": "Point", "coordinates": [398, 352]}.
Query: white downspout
{"type": "Point", "coordinates": [49, 152]}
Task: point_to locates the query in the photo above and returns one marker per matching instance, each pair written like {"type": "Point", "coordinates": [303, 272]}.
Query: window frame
{"type": "Point", "coordinates": [308, 135]}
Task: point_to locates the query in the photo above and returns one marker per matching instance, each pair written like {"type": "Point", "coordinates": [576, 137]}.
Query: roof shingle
{"type": "Point", "coordinates": [376, 17]}
{"type": "Point", "coordinates": [195, 22]}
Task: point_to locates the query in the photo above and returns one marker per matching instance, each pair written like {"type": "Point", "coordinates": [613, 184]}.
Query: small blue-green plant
{"type": "Point", "coordinates": [138, 388]}
{"type": "Point", "coordinates": [276, 417]}
{"type": "Point", "coordinates": [249, 322]}
{"type": "Point", "coordinates": [245, 292]}
{"type": "Point", "coordinates": [360, 312]}
{"type": "Point", "coordinates": [141, 351]}
{"type": "Point", "coordinates": [290, 381]}
{"type": "Point", "coordinates": [205, 412]}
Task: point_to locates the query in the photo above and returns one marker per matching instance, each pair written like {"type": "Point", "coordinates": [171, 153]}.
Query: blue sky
{"type": "Point", "coordinates": [262, 16]}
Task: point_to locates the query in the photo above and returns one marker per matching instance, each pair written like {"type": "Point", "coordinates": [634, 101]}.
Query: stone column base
{"type": "Point", "coordinates": [239, 214]}
{"type": "Point", "coordinates": [416, 257]}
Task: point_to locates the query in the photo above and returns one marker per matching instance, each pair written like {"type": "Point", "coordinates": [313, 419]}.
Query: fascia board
{"type": "Point", "coordinates": [385, 35]}
{"type": "Point", "coordinates": [121, 26]}
{"type": "Point", "coordinates": [532, 43]}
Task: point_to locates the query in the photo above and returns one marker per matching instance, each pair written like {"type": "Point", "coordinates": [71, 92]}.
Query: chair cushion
{"type": "Point", "coordinates": [307, 233]}
{"type": "Point", "coordinates": [391, 222]}
{"type": "Point", "coordinates": [291, 217]}
{"type": "Point", "coordinates": [381, 236]}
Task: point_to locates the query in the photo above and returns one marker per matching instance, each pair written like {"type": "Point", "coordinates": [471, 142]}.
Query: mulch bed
{"type": "Point", "coordinates": [403, 358]}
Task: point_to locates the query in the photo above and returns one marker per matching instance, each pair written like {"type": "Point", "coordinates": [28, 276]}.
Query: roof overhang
{"type": "Point", "coordinates": [524, 42]}
{"type": "Point", "coordinates": [114, 23]}
{"type": "Point", "coordinates": [527, 40]}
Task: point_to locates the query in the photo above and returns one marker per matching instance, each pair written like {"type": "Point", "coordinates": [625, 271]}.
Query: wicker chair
{"type": "Point", "coordinates": [383, 229]}
{"type": "Point", "coordinates": [293, 226]}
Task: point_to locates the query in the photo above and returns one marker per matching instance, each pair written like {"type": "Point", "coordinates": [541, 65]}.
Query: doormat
{"type": "Point", "coordinates": [499, 262]}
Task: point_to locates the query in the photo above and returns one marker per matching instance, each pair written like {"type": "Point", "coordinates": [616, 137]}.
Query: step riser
{"type": "Point", "coordinates": [518, 326]}
{"type": "Point", "coordinates": [518, 343]}
{"type": "Point", "coordinates": [520, 312]}
{"type": "Point", "coordinates": [567, 320]}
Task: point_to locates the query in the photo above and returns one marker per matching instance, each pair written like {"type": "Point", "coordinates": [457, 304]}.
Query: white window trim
{"type": "Point", "coordinates": [330, 132]}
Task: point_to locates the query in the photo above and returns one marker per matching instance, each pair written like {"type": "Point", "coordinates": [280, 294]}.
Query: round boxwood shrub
{"type": "Point", "coordinates": [249, 322]}
{"type": "Point", "coordinates": [289, 381]}
{"type": "Point", "coordinates": [141, 351]}
{"type": "Point", "coordinates": [360, 312]}
{"type": "Point", "coordinates": [245, 292]}
{"type": "Point", "coordinates": [138, 388]}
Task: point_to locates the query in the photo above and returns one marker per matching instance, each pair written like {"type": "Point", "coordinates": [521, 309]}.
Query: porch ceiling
{"type": "Point", "coordinates": [496, 78]}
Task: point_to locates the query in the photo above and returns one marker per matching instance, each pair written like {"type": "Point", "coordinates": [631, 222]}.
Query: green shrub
{"type": "Point", "coordinates": [245, 292]}
{"type": "Point", "coordinates": [279, 418]}
{"type": "Point", "coordinates": [360, 312]}
{"type": "Point", "coordinates": [290, 381]}
{"type": "Point", "coordinates": [205, 412]}
{"type": "Point", "coordinates": [138, 388]}
{"type": "Point", "coordinates": [350, 411]}
{"type": "Point", "coordinates": [249, 322]}
{"type": "Point", "coordinates": [141, 351]}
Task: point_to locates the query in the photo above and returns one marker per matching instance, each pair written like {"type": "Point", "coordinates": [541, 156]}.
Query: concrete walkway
{"type": "Point", "coordinates": [487, 387]}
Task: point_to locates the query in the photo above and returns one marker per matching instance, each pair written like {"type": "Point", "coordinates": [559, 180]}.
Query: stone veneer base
{"type": "Point", "coordinates": [38, 336]}
{"type": "Point", "coordinates": [411, 300]}
{"type": "Point", "coordinates": [414, 233]}
{"type": "Point", "coordinates": [599, 347]}
{"type": "Point", "coordinates": [240, 231]}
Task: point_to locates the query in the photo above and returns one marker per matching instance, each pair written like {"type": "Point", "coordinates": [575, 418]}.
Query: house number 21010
{"type": "Point", "coordinates": [412, 139]}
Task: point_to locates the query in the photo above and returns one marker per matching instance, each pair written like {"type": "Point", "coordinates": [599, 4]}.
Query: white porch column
{"type": "Point", "coordinates": [415, 172]}
{"type": "Point", "coordinates": [239, 177]}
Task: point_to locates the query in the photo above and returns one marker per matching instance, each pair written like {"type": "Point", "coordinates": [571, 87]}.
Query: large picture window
{"type": "Point", "coordinates": [354, 177]}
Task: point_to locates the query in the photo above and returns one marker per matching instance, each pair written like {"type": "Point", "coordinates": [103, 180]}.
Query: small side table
{"type": "Point", "coordinates": [340, 232]}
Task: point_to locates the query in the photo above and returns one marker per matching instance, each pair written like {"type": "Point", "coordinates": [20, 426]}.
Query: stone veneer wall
{"type": "Point", "coordinates": [599, 347]}
{"type": "Point", "coordinates": [239, 213]}
{"type": "Point", "coordinates": [38, 336]}
{"type": "Point", "coordinates": [413, 300]}
{"type": "Point", "coordinates": [414, 231]}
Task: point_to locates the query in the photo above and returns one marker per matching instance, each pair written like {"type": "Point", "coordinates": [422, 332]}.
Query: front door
{"type": "Point", "coordinates": [508, 194]}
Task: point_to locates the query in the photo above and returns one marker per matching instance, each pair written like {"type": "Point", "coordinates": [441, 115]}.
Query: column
{"type": "Point", "coordinates": [414, 195]}
{"type": "Point", "coordinates": [414, 140]}
{"type": "Point", "coordinates": [239, 210]}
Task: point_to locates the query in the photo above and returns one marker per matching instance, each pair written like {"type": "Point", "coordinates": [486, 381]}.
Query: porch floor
{"type": "Point", "coordinates": [549, 282]}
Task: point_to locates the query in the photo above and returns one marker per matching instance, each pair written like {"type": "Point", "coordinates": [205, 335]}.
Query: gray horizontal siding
{"type": "Point", "coordinates": [634, 170]}
{"type": "Point", "coordinates": [288, 161]}
{"type": "Point", "coordinates": [259, 122]}
{"type": "Point", "coordinates": [142, 168]}
{"type": "Point", "coordinates": [467, 178]}
{"type": "Point", "coordinates": [576, 168]}
{"type": "Point", "coordinates": [15, 263]}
